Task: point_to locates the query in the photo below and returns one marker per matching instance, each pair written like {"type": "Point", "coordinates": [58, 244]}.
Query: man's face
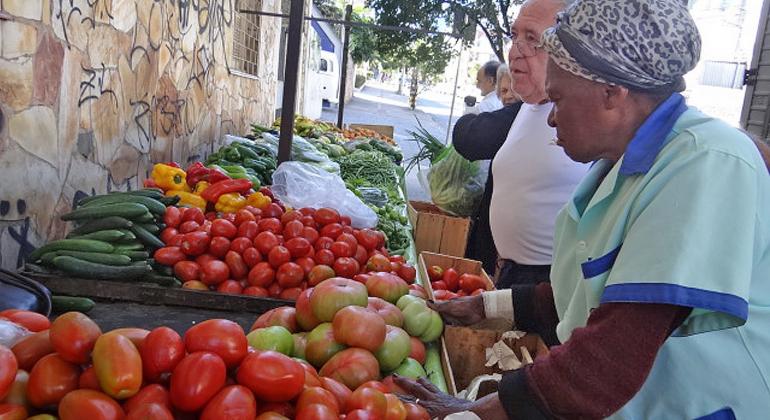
{"type": "Point", "coordinates": [505, 90]}
{"type": "Point", "coordinates": [485, 83]}
{"type": "Point", "coordinates": [583, 125]}
{"type": "Point", "coordinates": [528, 65]}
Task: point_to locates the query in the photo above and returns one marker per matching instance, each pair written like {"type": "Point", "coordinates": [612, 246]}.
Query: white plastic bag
{"type": "Point", "coordinates": [11, 333]}
{"type": "Point", "coordinates": [299, 184]}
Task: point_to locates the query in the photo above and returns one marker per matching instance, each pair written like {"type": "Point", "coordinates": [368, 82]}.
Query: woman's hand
{"type": "Point", "coordinates": [424, 393]}
{"type": "Point", "coordinates": [461, 311]}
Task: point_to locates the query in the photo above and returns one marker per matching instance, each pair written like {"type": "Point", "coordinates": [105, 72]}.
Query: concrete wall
{"type": "Point", "coordinates": [92, 92]}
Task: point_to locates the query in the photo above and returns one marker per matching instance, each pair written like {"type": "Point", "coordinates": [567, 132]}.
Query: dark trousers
{"type": "Point", "coordinates": [512, 274]}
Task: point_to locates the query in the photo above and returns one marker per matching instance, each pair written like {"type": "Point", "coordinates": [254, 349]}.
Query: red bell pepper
{"type": "Point", "coordinates": [216, 175]}
{"type": "Point", "coordinates": [150, 183]}
{"type": "Point", "coordinates": [196, 173]}
{"type": "Point", "coordinates": [172, 164]}
{"type": "Point", "coordinates": [212, 193]}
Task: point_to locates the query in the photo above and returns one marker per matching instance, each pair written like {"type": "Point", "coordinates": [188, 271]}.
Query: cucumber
{"type": "Point", "coordinates": [145, 218]}
{"type": "Point", "coordinates": [146, 237]}
{"type": "Point", "coordinates": [152, 204]}
{"type": "Point", "coordinates": [127, 210]}
{"type": "Point", "coordinates": [155, 193]}
{"type": "Point", "coordinates": [87, 245]}
{"type": "Point", "coordinates": [133, 246]}
{"type": "Point", "coordinates": [47, 258]}
{"type": "Point", "coordinates": [112, 235]}
{"type": "Point", "coordinates": [91, 270]}
{"type": "Point", "coordinates": [161, 269]}
{"type": "Point", "coordinates": [112, 222]}
{"type": "Point", "coordinates": [98, 257]}
{"type": "Point", "coordinates": [39, 269]}
{"type": "Point", "coordinates": [433, 367]}
{"type": "Point", "coordinates": [137, 255]}
{"type": "Point", "coordinates": [128, 236]}
{"type": "Point", "coordinates": [151, 227]}
{"type": "Point", "coordinates": [170, 201]}
{"type": "Point", "coordinates": [63, 304]}
{"type": "Point", "coordinates": [161, 280]}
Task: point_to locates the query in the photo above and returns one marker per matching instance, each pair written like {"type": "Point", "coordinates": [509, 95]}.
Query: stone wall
{"type": "Point", "coordinates": [92, 92]}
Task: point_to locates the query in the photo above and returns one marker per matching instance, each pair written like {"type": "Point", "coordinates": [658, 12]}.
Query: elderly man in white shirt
{"type": "Point", "coordinates": [486, 81]}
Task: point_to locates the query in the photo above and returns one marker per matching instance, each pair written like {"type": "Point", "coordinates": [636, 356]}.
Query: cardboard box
{"type": "Point", "coordinates": [462, 265]}
{"type": "Point", "coordinates": [384, 130]}
{"type": "Point", "coordinates": [435, 231]}
{"type": "Point", "coordinates": [466, 353]}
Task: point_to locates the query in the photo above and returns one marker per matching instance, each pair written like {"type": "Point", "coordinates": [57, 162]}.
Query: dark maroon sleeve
{"type": "Point", "coordinates": [580, 379]}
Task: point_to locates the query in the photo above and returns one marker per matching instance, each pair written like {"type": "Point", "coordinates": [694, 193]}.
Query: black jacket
{"type": "Point", "coordinates": [479, 137]}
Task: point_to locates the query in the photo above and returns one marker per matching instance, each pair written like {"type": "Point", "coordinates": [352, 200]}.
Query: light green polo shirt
{"type": "Point", "coordinates": [686, 223]}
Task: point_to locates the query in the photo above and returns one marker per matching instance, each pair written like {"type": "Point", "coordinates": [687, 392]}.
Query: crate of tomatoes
{"type": "Point", "coordinates": [451, 277]}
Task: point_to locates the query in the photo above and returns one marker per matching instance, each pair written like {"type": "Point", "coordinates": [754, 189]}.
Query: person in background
{"type": "Point", "coordinates": [486, 81]}
{"type": "Point", "coordinates": [479, 137]}
{"type": "Point", "coordinates": [659, 289]}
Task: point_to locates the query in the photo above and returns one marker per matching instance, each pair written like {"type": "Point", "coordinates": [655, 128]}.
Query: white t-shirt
{"type": "Point", "coordinates": [533, 180]}
{"type": "Point", "coordinates": [490, 103]}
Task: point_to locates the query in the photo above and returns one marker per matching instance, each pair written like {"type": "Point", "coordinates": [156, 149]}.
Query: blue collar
{"type": "Point", "coordinates": [651, 136]}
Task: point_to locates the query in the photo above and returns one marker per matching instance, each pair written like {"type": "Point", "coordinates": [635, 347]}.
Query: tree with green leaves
{"type": "Point", "coordinates": [492, 17]}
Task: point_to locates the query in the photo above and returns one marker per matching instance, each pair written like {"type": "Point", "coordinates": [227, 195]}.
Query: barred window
{"type": "Point", "coordinates": [246, 38]}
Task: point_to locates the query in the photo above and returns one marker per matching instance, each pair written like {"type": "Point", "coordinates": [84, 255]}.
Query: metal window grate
{"type": "Point", "coordinates": [246, 38]}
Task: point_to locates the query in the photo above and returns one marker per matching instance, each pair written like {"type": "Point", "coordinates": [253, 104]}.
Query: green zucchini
{"type": "Point", "coordinates": [112, 222]}
{"type": "Point", "coordinates": [151, 227]}
{"type": "Point", "coordinates": [433, 367]}
{"type": "Point", "coordinates": [91, 270]}
{"type": "Point", "coordinates": [161, 280]}
{"type": "Point", "coordinates": [145, 218]}
{"type": "Point", "coordinates": [47, 258]}
{"type": "Point", "coordinates": [146, 237]}
{"type": "Point", "coordinates": [152, 204]}
{"type": "Point", "coordinates": [127, 210]}
{"type": "Point", "coordinates": [155, 193]}
{"type": "Point", "coordinates": [170, 201]}
{"type": "Point", "coordinates": [86, 245]}
{"type": "Point", "coordinates": [98, 257]}
{"type": "Point", "coordinates": [111, 235]}
{"type": "Point", "coordinates": [127, 236]}
{"type": "Point", "coordinates": [133, 246]}
{"type": "Point", "coordinates": [161, 269]}
{"type": "Point", "coordinates": [61, 304]}
{"type": "Point", "coordinates": [137, 255]}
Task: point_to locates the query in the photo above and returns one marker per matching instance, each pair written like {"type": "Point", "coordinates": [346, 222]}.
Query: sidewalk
{"type": "Point", "coordinates": [379, 104]}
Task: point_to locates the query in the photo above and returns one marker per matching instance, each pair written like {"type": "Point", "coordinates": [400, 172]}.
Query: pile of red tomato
{"type": "Point", "coordinates": [449, 284]}
{"type": "Point", "coordinates": [69, 367]}
{"type": "Point", "coordinates": [270, 252]}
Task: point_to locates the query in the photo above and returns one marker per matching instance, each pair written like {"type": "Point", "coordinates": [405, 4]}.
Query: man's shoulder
{"type": "Point", "coordinates": [696, 131]}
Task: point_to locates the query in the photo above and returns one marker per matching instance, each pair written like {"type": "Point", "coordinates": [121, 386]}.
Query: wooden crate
{"type": "Point", "coordinates": [384, 130]}
{"type": "Point", "coordinates": [466, 356]}
{"type": "Point", "coordinates": [435, 231]}
{"type": "Point", "coordinates": [462, 265]}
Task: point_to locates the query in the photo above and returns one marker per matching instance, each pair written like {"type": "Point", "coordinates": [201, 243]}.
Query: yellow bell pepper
{"type": "Point", "coordinates": [230, 203]}
{"type": "Point", "coordinates": [188, 199]}
{"type": "Point", "coordinates": [200, 187]}
{"type": "Point", "coordinates": [169, 178]}
{"type": "Point", "coordinates": [259, 200]}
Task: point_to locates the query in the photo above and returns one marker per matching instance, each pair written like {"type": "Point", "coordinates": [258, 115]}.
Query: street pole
{"type": "Point", "coordinates": [454, 94]}
{"type": "Point", "coordinates": [344, 70]}
{"type": "Point", "coordinates": [293, 49]}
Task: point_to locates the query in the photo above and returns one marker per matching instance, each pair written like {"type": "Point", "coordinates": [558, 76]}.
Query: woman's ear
{"type": "Point", "coordinates": [614, 96]}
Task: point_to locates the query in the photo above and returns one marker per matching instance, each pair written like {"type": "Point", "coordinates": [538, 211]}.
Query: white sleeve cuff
{"type": "Point", "coordinates": [498, 304]}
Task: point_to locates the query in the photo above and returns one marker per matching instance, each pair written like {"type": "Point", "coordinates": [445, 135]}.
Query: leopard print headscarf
{"type": "Point", "coordinates": [646, 45]}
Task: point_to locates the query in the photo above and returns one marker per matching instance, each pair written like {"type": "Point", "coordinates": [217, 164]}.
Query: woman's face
{"type": "Point", "coordinates": [505, 90]}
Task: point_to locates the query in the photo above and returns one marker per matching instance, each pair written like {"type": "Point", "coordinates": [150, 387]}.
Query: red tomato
{"type": "Point", "coordinates": [323, 242]}
{"type": "Point", "coordinates": [150, 394]}
{"type": "Point", "coordinates": [362, 278]}
{"type": "Point", "coordinates": [8, 368]}
{"type": "Point", "coordinates": [408, 273]}
{"type": "Point", "coordinates": [30, 349]}
{"type": "Point", "coordinates": [214, 272]}
{"type": "Point", "coordinates": [151, 411]}
{"type": "Point", "coordinates": [379, 263]}
{"type": "Point", "coordinates": [369, 399]}
{"type": "Point", "coordinates": [309, 221]}
{"type": "Point", "coordinates": [306, 263]}
{"type": "Point", "coordinates": [187, 270]}
{"type": "Point", "coordinates": [307, 211]}
{"type": "Point", "coordinates": [240, 244]}
{"type": "Point", "coordinates": [248, 229]}
{"type": "Point", "coordinates": [230, 217]}
{"type": "Point", "coordinates": [168, 234]}
{"type": "Point", "coordinates": [272, 376]}
{"type": "Point", "coordinates": [395, 266]}
{"type": "Point", "coordinates": [290, 216]}
{"type": "Point", "coordinates": [342, 249]}
{"type": "Point", "coordinates": [361, 255]}
{"type": "Point", "coordinates": [270, 225]}
{"type": "Point", "coordinates": [118, 365]}
{"type": "Point", "coordinates": [230, 287]}
{"type": "Point", "coordinates": [440, 294]}
{"type": "Point", "coordinates": [438, 285]}
{"type": "Point", "coordinates": [176, 240]}
{"type": "Point", "coordinates": [210, 216]}
{"type": "Point", "coordinates": [234, 402]}
{"type": "Point", "coordinates": [265, 241]}
{"type": "Point", "coordinates": [196, 379]}
{"type": "Point", "coordinates": [325, 216]}
{"type": "Point", "coordinates": [462, 293]}
{"type": "Point", "coordinates": [195, 243]}
{"type": "Point", "coordinates": [362, 415]}
{"type": "Point", "coordinates": [169, 255]}
{"type": "Point", "coordinates": [222, 337]}
{"type": "Point", "coordinates": [298, 247]}
{"type": "Point", "coordinates": [310, 234]}
{"type": "Point", "coordinates": [319, 273]}
{"type": "Point", "coordinates": [161, 351]}
{"type": "Point", "coordinates": [379, 386]}
{"type": "Point", "coordinates": [276, 411]}
{"type": "Point", "coordinates": [88, 380]}
{"type": "Point", "coordinates": [238, 268]}
{"type": "Point", "coordinates": [396, 258]}
{"type": "Point", "coordinates": [416, 412]}
{"type": "Point", "coordinates": [284, 316]}
{"type": "Point", "coordinates": [352, 366]}
{"type": "Point", "coordinates": [471, 282]}
{"type": "Point", "coordinates": [278, 256]}
{"type": "Point", "coordinates": [195, 285]}
{"type": "Point", "coordinates": [450, 278]}
{"type": "Point", "coordinates": [293, 229]}
{"type": "Point", "coordinates": [346, 267]}
{"type": "Point", "coordinates": [32, 321]}
{"type": "Point", "coordinates": [89, 404]}
{"type": "Point", "coordinates": [370, 239]}
{"type": "Point", "coordinates": [435, 273]}
{"type": "Point", "coordinates": [219, 246]}
{"type": "Point", "coordinates": [347, 229]}
{"type": "Point", "coordinates": [396, 409]}
{"type": "Point", "coordinates": [194, 214]}
{"type": "Point", "coordinates": [275, 290]}
{"type": "Point", "coordinates": [9, 411]}
{"type": "Point", "coordinates": [202, 259]}
{"type": "Point", "coordinates": [291, 293]}
{"type": "Point", "coordinates": [172, 217]}
{"type": "Point", "coordinates": [350, 239]}
{"type": "Point", "coordinates": [290, 275]}
{"type": "Point", "coordinates": [256, 291]}
{"type": "Point", "coordinates": [222, 227]}
{"type": "Point", "coordinates": [205, 227]}
{"type": "Point", "coordinates": [316, 412]}
{"type": "Point", "coordinates": [333, 231]}
{"type": "Point", "coordinates": [244, 215]}
{"type": "Point", "coordinates": [261, 275]}
{"type": "Point", "coordinates": [273, 210]}
{"type": "Point", "coordinates": [251, 257]}
{"type": "Point", "coordinates": [73, 336]}
{"type": "Point", "coordinates": [255, 211]}
{"type": "Point", "coordinates": [340, 391]}
{"type": "Point", "coordinates": [189, 226]}
{"type": "Point", "coordinates": [324, 257]}
{"type": "Point", "coordinates": [477, 292]}
{"type": "Point", "coordinates": [50, 380]}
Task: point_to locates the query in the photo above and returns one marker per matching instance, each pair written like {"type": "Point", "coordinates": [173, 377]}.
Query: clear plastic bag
{"type": "Point", "coordinates": [299, 184]}
{"type": "Point", "coordinates": [456, 184]}
{"type": "Point", "coordinates": [303, 151]}
{"type": "Point", "coordinates": [11, 333]}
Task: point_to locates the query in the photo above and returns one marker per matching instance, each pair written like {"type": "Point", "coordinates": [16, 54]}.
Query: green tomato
{"type": "Point", "coordinates": [272, 338]}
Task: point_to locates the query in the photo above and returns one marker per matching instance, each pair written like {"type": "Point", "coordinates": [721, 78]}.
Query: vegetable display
{"type": "Point", "coordinates": [449, 284]}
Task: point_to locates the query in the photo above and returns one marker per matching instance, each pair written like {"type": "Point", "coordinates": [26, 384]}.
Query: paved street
{"type": "Point", "coordinates": [379, 104]}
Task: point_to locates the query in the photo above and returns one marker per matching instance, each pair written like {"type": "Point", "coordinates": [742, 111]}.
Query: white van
{"type": "Point", "coordinates": [329, 76]}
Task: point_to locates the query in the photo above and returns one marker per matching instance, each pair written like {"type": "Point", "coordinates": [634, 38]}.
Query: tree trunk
{"type": "Point", "coordinates": [402, 74]}
{"type": "Point", "coordinates": [413, 88]}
